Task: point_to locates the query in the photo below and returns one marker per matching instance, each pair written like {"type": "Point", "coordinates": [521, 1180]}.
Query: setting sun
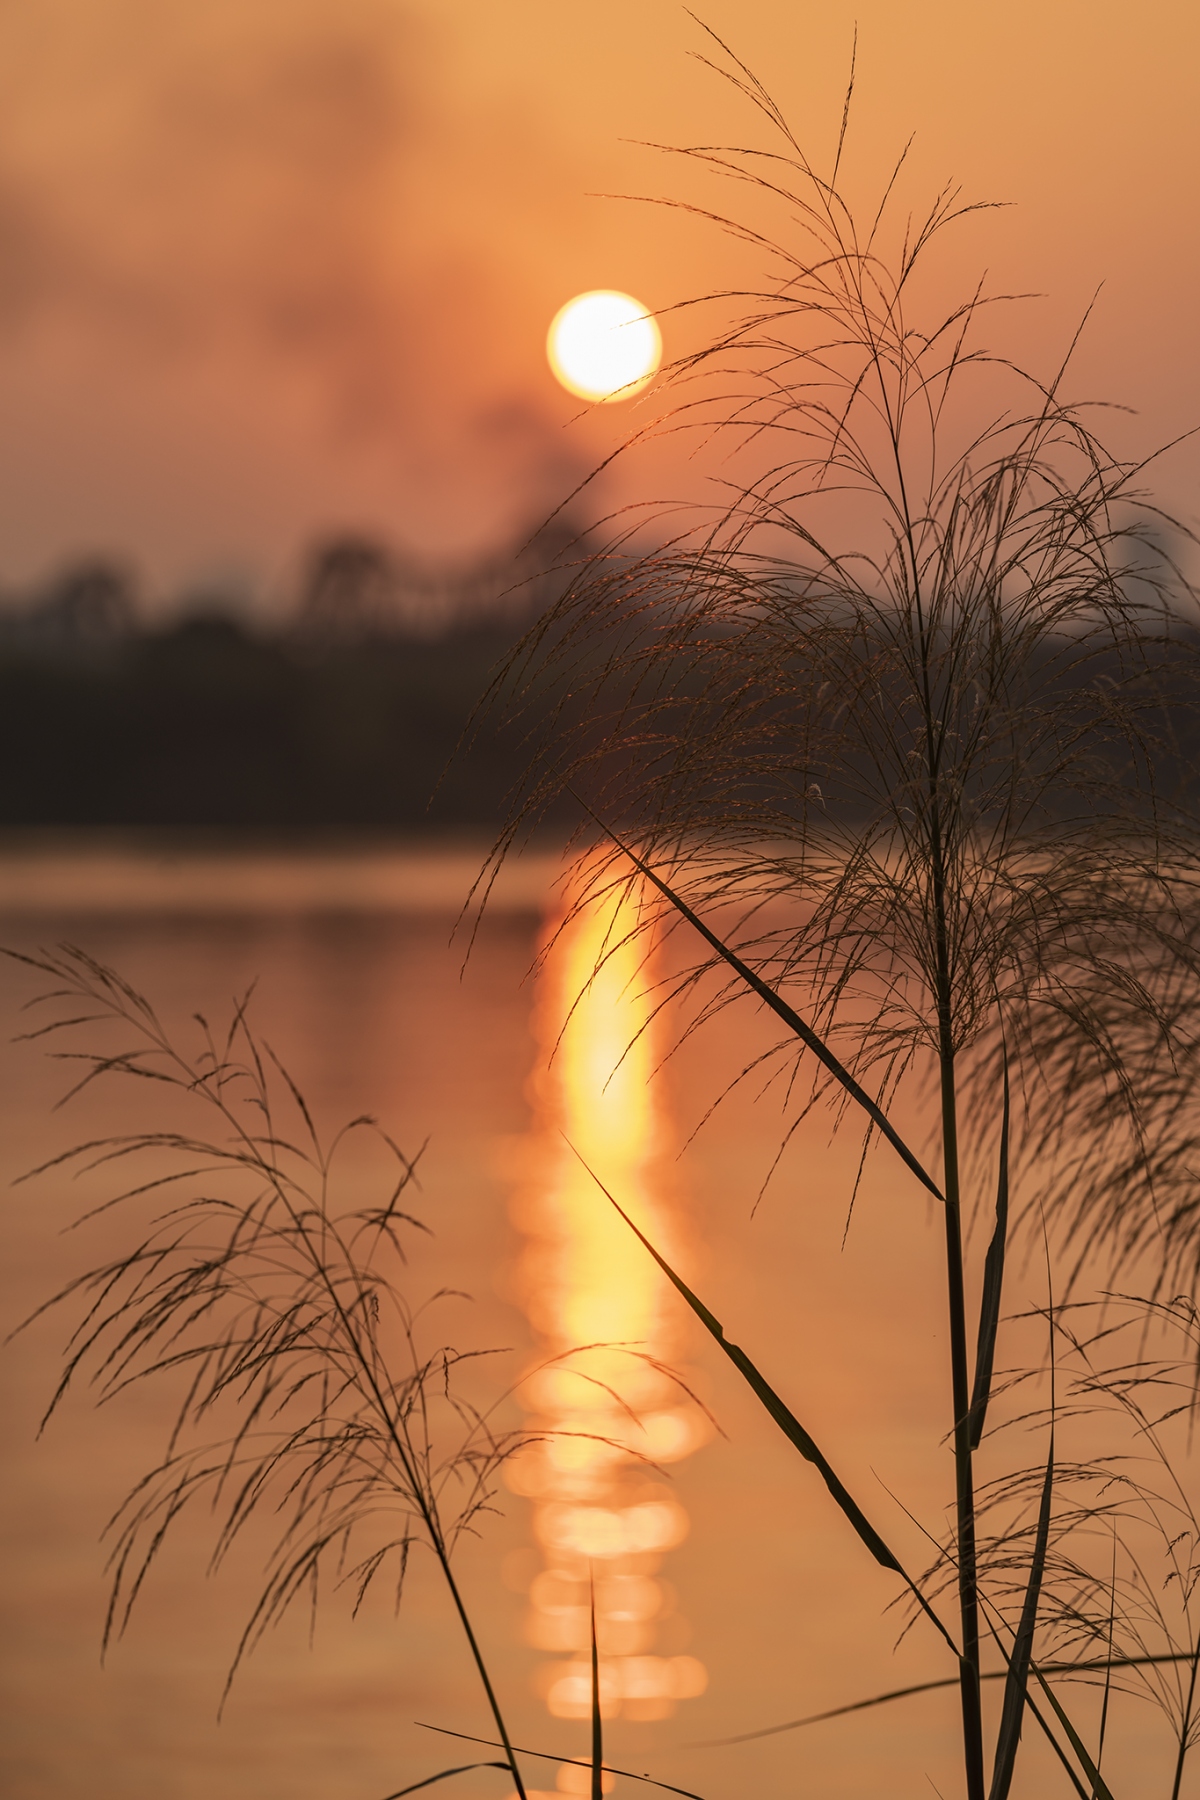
{"type": "Point", "coordinates": [604, 345]}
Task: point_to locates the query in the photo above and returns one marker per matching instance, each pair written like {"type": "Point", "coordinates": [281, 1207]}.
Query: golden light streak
{"type": "Point", "coordinates": [607, 1406]}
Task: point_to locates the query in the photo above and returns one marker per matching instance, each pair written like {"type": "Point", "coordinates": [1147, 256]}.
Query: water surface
{"type": "Point", "coordinates": [752, 1586]}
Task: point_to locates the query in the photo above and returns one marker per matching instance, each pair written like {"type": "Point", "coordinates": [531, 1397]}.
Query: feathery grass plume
{"type": "Point", "coordinates": [892, 710]}
{"type": "Point", "coordinates": [315, 1399]}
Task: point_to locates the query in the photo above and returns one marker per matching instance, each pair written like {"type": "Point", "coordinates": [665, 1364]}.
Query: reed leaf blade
{"type": "Point", "coordinates": [804, 1031]}
{"type": "Point", "coordinates": [444, 1775]}
{"type": "Point", "coordinates": [573, 1762]}
{"type": "Point", "coordinates": [786, 1420]}
{"type": "Point", "coordinates": [993, 1285]}
{"type": "Point", "coordinates": [782, 1414]}
{"type": "Point", "coordinates": [1016, 1686]}
{"type": "Point", "coordinates": [1101, 1789]}
{"type": "Point", "coordinates": [597, 1722]}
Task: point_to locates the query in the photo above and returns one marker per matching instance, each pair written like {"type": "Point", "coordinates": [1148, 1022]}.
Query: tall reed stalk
{"type": "Point", "coordinates": [886, 727]}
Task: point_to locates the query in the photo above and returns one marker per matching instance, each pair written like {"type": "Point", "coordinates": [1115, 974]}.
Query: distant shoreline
{"type": "Point", "coordinates": [52, 870]}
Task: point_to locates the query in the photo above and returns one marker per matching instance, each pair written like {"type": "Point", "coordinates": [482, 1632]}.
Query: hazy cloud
{"type": "Point", "coordinates": [251, 205]}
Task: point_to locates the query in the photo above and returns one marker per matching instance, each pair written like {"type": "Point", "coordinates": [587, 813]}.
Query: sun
{"type": "Point", "coordinates": [604, 345]}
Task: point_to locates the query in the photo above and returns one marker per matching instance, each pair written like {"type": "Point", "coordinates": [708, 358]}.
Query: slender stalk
{"type": "Point", "coordinates": [964, 1484]}
{"type": "Point", "coordinates": [1112, 1624]}
{"type": "Point", "coordinates": [486, 1679]}
{"type": "Point", "coordinates": [968, 1599]}
{"type": "Point", "coordinates": [431, 1521]}
{"type": "Point", "coordinates": [597, 1721]}
{"type": "Point", "coordinates": [432, 1524]}
{"type": "Point", "coordinates": [1186, 1726]}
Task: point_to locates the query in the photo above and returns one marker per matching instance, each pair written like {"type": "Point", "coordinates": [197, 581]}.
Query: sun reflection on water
{"type": "Point", "coordinates": [608, 1406]}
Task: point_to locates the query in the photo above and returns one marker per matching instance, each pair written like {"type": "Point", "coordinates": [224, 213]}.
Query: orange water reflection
{"type": "Point", "coordinates": [608, 1406]}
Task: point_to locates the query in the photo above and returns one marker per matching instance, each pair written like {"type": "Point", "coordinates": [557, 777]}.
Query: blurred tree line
{"type": "Point", "coordinates": [350, 715]}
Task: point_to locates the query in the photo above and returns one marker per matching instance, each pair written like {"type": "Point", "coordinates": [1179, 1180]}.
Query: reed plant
{"type": "Point", "coordinates": [315, 1400]}
{"type": "Point", "coordinates": [319, 1412]}
{"type": "Point", "coordinates": [889, 728]}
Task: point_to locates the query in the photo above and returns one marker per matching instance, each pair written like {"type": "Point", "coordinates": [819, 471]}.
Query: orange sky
{"type": "Point", "coordinates": [276, 267]}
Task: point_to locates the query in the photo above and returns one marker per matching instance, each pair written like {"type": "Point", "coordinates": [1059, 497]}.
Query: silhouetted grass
{"type": "Point", "coordinates": [316, 1400]}
{"type": "Point", "coordinates": [895, 706]}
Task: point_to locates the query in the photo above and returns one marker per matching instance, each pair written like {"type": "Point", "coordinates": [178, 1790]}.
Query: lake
{"type": "Point", "coordinates": [732, 1596]}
